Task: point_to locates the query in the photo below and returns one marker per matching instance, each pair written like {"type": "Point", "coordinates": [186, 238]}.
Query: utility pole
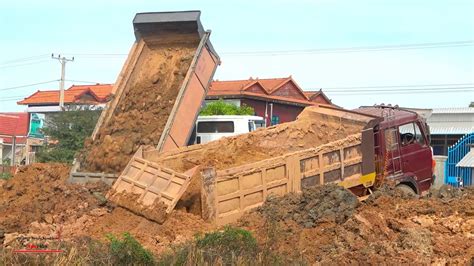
{"type": "Point", "coordinates": [63, 60]}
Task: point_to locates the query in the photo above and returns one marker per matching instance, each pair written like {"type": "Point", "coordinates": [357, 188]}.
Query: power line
{"type": "Point", "coordinates": [399, 90]}
{"type": "Point", "coordinates": [24, 64]}
{"type": "Point", "coordinates": [23, 59]}
{"type": "Point", "coordinates": [29, 85]}
{"type": "Point", "coordinates": [82, 81]}
{"type": "Point", "coordinates": [8, 100]}
{"type": "Point", "coordinates": [358, 48]}
{"type": "Point", "coordinates": [97, 54]}
{"type": "Point", "coordinates": [374, 48]}
{"type": "Point", "coordinates": [16, 98]}
{"type": "Point", "coordinates": [405, 90]}
{"type": "Point", "coordinates": [398, 86]}
{"type": "Point", "coordinates": [404, 93]}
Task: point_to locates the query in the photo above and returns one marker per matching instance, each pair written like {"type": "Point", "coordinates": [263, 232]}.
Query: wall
{"type": "Point", "coordinates": [7, 152]}
{"type": "Point", "coordinates": [320, 99]}
{"type": "Point", "coordinates": [287, 113]}
{"type": "Point", "coordinates": [439, 170]}
{"type": "Point", "coordinates": [289, 90]}
{"type": "Point", "coordinates": [440, 143]}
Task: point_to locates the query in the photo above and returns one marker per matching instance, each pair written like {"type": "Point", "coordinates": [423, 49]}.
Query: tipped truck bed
{"type": "Point", "coordinates": [158, 30]}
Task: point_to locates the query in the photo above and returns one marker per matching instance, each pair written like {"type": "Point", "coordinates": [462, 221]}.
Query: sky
{"type": "Point", "coordinates": [414, 53]}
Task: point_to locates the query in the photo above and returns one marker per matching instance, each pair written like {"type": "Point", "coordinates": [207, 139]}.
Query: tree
{"type": "Point", "coordinates": [222, 108]}
{"type": "Point", "coordinates": [66, 132]}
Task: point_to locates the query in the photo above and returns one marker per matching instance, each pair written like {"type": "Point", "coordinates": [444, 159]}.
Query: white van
{"type": "Point", "coordinates": [209, 128]}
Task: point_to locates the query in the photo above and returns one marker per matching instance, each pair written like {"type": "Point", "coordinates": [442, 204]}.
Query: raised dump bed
{"type": "Point", "coordinates": [157, 95]}
{"type": "Point", "coordinates": [325, 145]}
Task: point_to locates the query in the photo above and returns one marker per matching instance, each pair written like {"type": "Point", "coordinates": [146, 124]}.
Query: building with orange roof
{"type": "Point", "coordinates": [42, 103]}
{"type": "Point", "coordinates": [278, 100]}
{"type": "Point", "coordinates": [48, 101]}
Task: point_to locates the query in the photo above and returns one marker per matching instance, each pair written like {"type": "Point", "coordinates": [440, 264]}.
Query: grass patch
{"type": "Point", "coordinates": [128, 251]}
{"type": "Point", "coordinates": [84, 251]}
{"type": "Point", "coordinates": [5, 176]}
{"type": "Point", "coordinates": [227, 245]}
{"type": "Point", "coordinates": [230, 246]}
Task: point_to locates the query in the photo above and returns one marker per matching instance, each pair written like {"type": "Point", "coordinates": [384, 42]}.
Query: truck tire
{"type": "Point", "coordinates": [407, 190]}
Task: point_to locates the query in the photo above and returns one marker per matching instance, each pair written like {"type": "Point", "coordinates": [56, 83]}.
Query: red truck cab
{"type": "Point", "coordinates": [402, 148]}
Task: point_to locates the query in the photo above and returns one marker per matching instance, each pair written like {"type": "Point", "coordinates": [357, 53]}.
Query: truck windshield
{"type": "Point", "coordinates": [411, 133]}
{"type": "Point", "coordinates": [215, 127]}
{"type": "Point", "coordinates": [259, 123]}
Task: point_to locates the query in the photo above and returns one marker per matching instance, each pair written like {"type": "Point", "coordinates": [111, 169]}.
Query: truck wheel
{"type": "Point", "coordinates": [407, 190]}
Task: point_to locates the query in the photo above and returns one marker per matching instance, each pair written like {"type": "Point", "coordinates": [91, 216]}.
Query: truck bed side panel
{"type": "Point", "coordinates": [239, 189]}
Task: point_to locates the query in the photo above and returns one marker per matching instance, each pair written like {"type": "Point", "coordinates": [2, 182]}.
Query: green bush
{"type": "Point", "coordinates": [222, 108]}
{"type": "Point", "coordinates": [231, 246]}
{"type": "Point", "coordinates": [228, 244]}
{"type": "Point", "coordinates": [179, 255]}
{"type": "Point", "coordinates": [5, 176]}
{"type": "Point", "coordinates": [128, 251]}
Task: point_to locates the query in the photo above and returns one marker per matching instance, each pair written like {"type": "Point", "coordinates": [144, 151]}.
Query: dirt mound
{"type": "Point", "coordinates": [387, 230]}
{"type": "Point", "coordinates": [143, 110]}
{"type": "Point", "coordinates": [178, 228]}
{"type": "Point", "coordinates": [315, 205]}
{"type": "Point", "coordinates": [448, 192]}
{"type": "Point", "coordinates": [387, 190]}
{"type": "Point", "coordinates": [308, 131]}
{"type": "Point", "coordinates": [38, 193]}
{"type": "Point", "coordinates": [38, 202]}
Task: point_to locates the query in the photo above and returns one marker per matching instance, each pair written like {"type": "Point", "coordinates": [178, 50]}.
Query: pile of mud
{"type": "Point", "coordinates": [38, 194]}
{"type": "Point", "coordinates": [330, 203]}
{"type": "Point", "coordinates": [178, 228]}
{"type": "Point", "coordinates": [310, 130]}
{"type": "Point", "coordinates": [37, 202]}
{"type": "Point", "coordinates": [389, 229]}
{"type": "Point", "coordinates": [143, 110]}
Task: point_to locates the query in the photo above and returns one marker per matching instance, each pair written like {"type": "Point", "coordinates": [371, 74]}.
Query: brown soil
{"type": "Point", "coordinates": [316, 205]}
{"type": "Point", "coordinates": [130, 201]}
{"type": "Point", "coordinates": [143, 110]}
{"type": "Point", "coordinates": [38, 193]}
{"type": "Point", "coordinates": [308, 131]}
{"type": "Point", "coordinates": [390, 229]}
{"type": "Point", "coordinates": [38, 202]}
{"type": "Point", "coordinates": [178, 228]}
{"type": "Point", "coordinates": [322, 225]}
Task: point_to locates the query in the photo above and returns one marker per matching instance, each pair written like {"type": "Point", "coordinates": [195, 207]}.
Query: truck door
{"type": "Point", "coordinates": [416, 154]}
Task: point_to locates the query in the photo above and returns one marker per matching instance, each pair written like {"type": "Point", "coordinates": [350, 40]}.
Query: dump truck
{"type": "Point", "coordinates": [157, 95]}
{"type": "Point", "coordinates": [221, 180]}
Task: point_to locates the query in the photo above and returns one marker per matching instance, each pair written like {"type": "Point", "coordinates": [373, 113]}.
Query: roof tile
{"type": "Point", "coordinates": [99, 91]}
{"type": "Point", "coordinates": [16, 124]}
{"type": "Point", "coordinates": [239, 88]}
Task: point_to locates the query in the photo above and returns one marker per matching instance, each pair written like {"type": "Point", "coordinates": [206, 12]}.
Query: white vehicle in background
{"type": "Point", "coordinates": [209, 128]}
